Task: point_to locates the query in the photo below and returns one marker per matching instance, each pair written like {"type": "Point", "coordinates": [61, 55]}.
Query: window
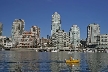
{"type": "Point", "coordinates": [34, 29]}
{"type": "Point", "coordinates": [101, 36]}
{"type": "Point", "coordinates": [89, 27]}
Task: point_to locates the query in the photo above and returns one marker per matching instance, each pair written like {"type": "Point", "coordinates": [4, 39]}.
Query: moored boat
{"type": "Point", "coordinates": [54, 51]}
{"type": "Point", "coordinates": [70, 52]}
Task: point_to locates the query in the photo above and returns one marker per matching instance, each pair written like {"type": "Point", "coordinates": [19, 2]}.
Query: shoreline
{"type": "Point", "coordinates": [21, 49]}
{"type": "Point", "coordinates": [57, 50]}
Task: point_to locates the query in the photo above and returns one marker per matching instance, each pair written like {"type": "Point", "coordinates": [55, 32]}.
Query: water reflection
{"type": "Point", "coordinates": [83, 64]}
{"type": "Point", "coordinates": [4, 66]}
{"type": "Point", "coordinates": [98, 62]}
{"type": "Point", "coordinates": [31, 61]}
{"type": "Point", "coordinates": [44, 65]}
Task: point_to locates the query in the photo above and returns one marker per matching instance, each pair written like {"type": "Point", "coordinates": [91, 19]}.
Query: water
{"type": "Point", "coordinates": [32, 61]}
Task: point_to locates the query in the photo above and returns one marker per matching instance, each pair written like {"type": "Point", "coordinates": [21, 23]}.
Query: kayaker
{"type": "Point", "coordinates": [70, 58]}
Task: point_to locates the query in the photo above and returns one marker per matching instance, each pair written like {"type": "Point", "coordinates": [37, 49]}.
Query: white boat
{"type": "Point", "coordinates": [54, 51]}
{"type": "Point", "coordinates": [3, 49]}
{"type": "Point", "coordinates": [106, 50]}
{"type": "Point", "coordinates": [90, 51]}
{"type": "Point", "coordinates": [36, 50]}
{"type": "Point", "coordinates": [70, 52]}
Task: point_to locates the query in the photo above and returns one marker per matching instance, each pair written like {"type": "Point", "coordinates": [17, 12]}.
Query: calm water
{"type": "Point", "coordinates": [31, 61]}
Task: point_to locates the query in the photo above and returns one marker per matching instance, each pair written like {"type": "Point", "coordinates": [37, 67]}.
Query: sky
{"type": "Point", "coordinates": [39, 12]}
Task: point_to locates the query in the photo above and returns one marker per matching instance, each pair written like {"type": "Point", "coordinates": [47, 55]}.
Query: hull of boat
{"type": "Point", "coordinates": [54, 51]}
{"type": "Point", "coordinates": [72, 61]}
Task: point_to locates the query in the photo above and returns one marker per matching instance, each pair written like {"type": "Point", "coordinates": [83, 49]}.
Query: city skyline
{"type": "Point", "coordinates": [81, 13]}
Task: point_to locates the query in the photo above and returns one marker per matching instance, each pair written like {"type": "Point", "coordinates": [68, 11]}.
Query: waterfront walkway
{"type": "Point", "coordinates": [62, 49]}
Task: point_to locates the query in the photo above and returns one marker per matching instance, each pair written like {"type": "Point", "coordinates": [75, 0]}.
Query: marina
{"type": "Point", "coordinates": [93, 50]}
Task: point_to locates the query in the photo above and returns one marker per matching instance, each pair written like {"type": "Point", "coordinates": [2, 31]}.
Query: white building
{"type": "Point", "coordinates": [66, 39]}
{"type": "Point", "coordinates": [6, 42]}
{"type": "Point", "coordinates": [56, 23]}
{"type": "Point", "coordinates": [2, 40]}
{"type": "Point", "coordinates": [17, 29]}
{"type": "Point", "coordinates": [57, 39]}
{"type": "Point", "coordinates": [102, 39]}
{"type": "Point", "coordinates": [60, 39]}
{"type": "Point", "coordinates": [36, 31]}
{"type": "Point", "coordinates": [92, 31]}
{"type": "Point", "coordinates": [26, 40]}
{"type": "Point", "coordinates": [74, 34]}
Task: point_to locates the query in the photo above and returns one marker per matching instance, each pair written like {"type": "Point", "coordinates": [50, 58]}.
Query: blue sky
{"type": "Point", "coordinates": [38, 12]}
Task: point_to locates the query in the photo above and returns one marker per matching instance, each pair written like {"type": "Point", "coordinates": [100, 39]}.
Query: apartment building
{"type": "Point", "coordinates": [60, 39]}
{"type": "Point", "coordinates": [17, 30]}
{"type": "Point", "coordinates": [36, 31]}
{"type": "Point", "coordinates": [66, 39]}
{"type": "Point", "coordinates": [45, 42]}
{"type": "Point", "coordinates": [74, 35]}
{"type": "Point", "coordinates": [7, 43]}
{"type": "Point", "coordinates": [93, 30]}
{"type": "Point", "coordinates": [102, 39]}
{"type": "Point", "coordinates": [56, 23]}
{"type": "Point", "coordinates": [2, 40]}
{"type": "Point", "coordinates": [26, 40]}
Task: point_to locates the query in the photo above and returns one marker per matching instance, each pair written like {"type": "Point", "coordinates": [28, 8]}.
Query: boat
{"type": "Point", "coordinates": [3, 49]}
{"type": "Point", "coordinates": [36, 50]}
{"type": "Point", "coordinates": [54, 51]}
{"type": "Point", "coordinates": [106, 50]}
{"type": "Point", "coordinates": [72, 64]}
{"type": "Point", "coordinates": [90, 51]}
{"type": "Point", "coordinates": [70, 52]}
{"type": "Point", "coordinates": [71, 60]}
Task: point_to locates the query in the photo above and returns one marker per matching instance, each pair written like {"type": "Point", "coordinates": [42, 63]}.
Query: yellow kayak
{"type": "Point", "coordinates": [73, 64]}
{"type": "Point", "coordinates": [72, 61]}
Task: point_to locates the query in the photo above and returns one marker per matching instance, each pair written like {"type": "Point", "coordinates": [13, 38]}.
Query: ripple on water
{"type": "Point", "coordinates": [51, 62]}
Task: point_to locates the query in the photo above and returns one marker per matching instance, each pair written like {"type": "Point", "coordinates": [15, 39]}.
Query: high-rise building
{"type": "Point", "coordinates": [48, 37]}
{"type": "Point", "coordinates": [1, 28]}
{"type": "Point", "coordinates": [93, 30]}
{"type": "Point", "coordinates": [56, 23]}
{"type": "Point", "coordinates": [60, 39]}
{"type": "Point", "coordinates": [36, 31]}
{"type": "Point", "coordinates": [74, 35]}
{"type": "Point", "coordinates": [66, 39]}
{"type": "Point", "coordinates": [57, 39]}
{"type": "Point", "coordinates": [17, 29]}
